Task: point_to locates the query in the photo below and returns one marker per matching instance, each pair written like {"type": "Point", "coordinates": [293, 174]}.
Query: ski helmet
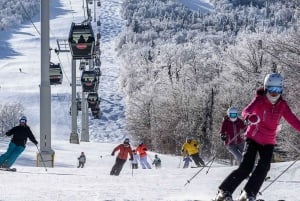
{"type": "Point", "coordinates": [126, 141]}
{"type": "Point", "coordinates": [232, 112]}
{"type": "Point", "coordinates": [273, 82]}
{"type": "Point", "coordinates": [23, 119]}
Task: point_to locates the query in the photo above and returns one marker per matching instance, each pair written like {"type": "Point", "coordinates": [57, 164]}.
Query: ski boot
{"type": "Point", "coordinates": [223, 196]}
{"type": "Point", "coordinates": [246, 196]}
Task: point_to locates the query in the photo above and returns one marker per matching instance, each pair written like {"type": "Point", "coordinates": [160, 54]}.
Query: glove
{"type": "Point", "coordinates": [145, 149]}
{"type": "Point", "coordinates": [253, 119]}
{"type": "Point", "coordinates": [131, 158]}
{"type": "Point", "coordinates": [36, 143]}
{"type": "Point", "coordinates": [223, 137]}
{"type": "Point", "coordinates": [113, 153]}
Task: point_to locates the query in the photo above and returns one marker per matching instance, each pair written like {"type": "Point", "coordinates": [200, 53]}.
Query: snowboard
{"type": "Point", "coordinates": [9, 169]}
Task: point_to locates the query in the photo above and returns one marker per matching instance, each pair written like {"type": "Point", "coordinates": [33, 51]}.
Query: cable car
{"type": "Point", "coordinates": [89, 81]}
{"type": "Point", "coordinates": [98, 23]}
{"type": "Point", "coordinates": [92, 99]}
{"type": "Point", "coordinates": [83, 64]}
{"type": "Point", "coordinates": [98, 3]}
{"type": "Point", "coordinates": [98, 71]}
{"type": "Point", "coordinates": [55, 72]}
{"type": "Point", "coordinates": [81, 41]}
{"type": "Point", "coordinates": [96, 111]}
{"type": "Point", "coordinates": [97, 62]}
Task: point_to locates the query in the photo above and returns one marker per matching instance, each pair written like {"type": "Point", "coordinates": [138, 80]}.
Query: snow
{"type": "Point", "coordinates": [65, 182]}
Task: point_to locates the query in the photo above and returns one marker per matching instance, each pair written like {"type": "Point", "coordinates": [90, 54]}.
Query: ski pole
{"type": "Point", "coordinates": [189, 180]}
{"type": "Point", "coordinates": [179, 162]}
{"type": "Point", "coordinates": [285, 170]}
{"type": "Point", "coordinates": [209, 165]}
{"type": "Point", "coordinates": [41, 158]}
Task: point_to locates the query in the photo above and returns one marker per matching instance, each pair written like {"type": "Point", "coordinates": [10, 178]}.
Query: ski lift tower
{"type": "Point", "coordinates": [81, 42]}
{"type": "Point", "coordinates": [45, 157]}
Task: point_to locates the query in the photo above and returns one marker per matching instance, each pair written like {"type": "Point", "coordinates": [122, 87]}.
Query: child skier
{"type": "Point", "coordinates": [187, 161]}
{"type": "Point", "coordinates": [81, 160]}
{"type": "Point", "coordinates": [134, 162]}
{"type": "Point", "coordinates": [156, 162]}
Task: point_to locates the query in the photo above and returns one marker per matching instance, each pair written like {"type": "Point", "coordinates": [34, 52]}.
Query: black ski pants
{"type": "Point", "coordinates": [116, 169]}
{"type": "Point", "coordinates": [235, 178]}
{"type": "Point", "coordinates": [198, 161]}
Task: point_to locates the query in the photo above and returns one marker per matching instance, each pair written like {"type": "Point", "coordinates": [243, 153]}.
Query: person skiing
{"type": "Point", "coordinates": [231, 129]}
{"type": "Point", "coordinates": [263, 115]}
{"type": "Point", "coordinates": [156, 162]}
{"type": "Point", "coordinates": [186, 161]}
{"type": "Point", "coordinates": [191, 148]}
{"type": "Point", "coordinates": [81, 160]}
{"type": "Point", "coordinates": [135, 161]}
{"type": "Point", "coordinates": [141, 150]}
{"type": "Point", "coordinates": [124, 149]}
{"type": "Point", "coordinates": [17, 145]}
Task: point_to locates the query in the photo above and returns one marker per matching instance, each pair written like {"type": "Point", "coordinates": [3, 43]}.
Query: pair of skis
{"type": "Point", "coordinates": [8, 169]}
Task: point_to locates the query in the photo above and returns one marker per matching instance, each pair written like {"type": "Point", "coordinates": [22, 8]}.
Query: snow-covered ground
{"type": "Point", "coordinates": [20, 48]}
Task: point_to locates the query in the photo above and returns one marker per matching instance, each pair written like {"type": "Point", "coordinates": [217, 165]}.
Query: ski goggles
{"type": "Point", "coordinates": [233, 115]}
{"type": "Point", "coordinates": [277, 90]}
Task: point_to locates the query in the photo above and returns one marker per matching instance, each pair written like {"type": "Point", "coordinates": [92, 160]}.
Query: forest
{"type": "Point", "coordinates": [182, 69]}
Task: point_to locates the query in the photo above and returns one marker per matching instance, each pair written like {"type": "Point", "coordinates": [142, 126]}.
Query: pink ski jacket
{"type": "Point", "coordinates": [265, 131]}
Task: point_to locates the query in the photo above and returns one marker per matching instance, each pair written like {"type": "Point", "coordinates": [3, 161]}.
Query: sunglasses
{"type": "Point", "coordinates": [233, 115]}
{"type": "Point", "coordinates": [277, 90]}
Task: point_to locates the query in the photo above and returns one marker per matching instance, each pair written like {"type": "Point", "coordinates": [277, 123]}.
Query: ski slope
{"type": "Point", "coordinates": [20, 48]}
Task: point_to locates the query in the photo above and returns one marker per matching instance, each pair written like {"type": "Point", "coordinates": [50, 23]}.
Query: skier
{"type": "Point", "coordinates": [230, 132]}
{"type": "Point", "coordinates": [156, 162]}
{"type": "Point", "coordinates": [124, 149]}
{"type": "Point", "coordinates": [81, 160]}
{"type": "Point", "coordinates": [191, 148]}
{"type": "Point", "coordinates": [187, 161]}
{"type": "Point", "coordinates": [135, 160]}
{"type": "Point", "coordinates": [141, 150]}
{"type": "Point", "coordinates": [263, 115]}
{"type": "Point", "coordinates": [17, 144]}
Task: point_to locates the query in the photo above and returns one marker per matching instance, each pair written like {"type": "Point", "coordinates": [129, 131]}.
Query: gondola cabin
{"type": "Point", "coordinates": [81, 41]}
{"type": "Point", "coordinates": [89, 81]}
{"type": "Point", "coordinates": [98, 71]}
{"type": "Point", "coordinates": [92, 99]}
{"type": "Point", "coordinates": [56, 75]}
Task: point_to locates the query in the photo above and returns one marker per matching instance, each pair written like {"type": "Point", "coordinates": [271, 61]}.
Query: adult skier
{"type": "Point", "coordinates": [231, 129]}
{"type": "Point", "coordinates": [263, 115]}
{"type": "Point", "coordinates": [124, 149]}
{"type": "Point", "coordinates": [17, 145]}
{"type": "Point", "coordinates": [191, 148]}
{"type": "Point", "coordinates": [141, 149]}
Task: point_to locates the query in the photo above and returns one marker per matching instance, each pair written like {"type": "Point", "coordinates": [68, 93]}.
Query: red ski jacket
{"type": "Point", "coordinates": [232, 130]}
{"type": "Point", "coordinates": [141, 149]}
{"type": "Point", "coordinates": [264, 132]}
{"type": "Point", "coordinates": [124, 150]}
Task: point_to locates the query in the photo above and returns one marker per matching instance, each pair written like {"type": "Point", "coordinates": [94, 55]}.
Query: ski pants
{"type": "Point", "coordinates": [198, 161]}
{"type": "Point", "coordinates": [10, 156]}
{"type": "Point", "coordinates": [235, 178]}
{"type": "Point", "coordinates": [144, 162]}
{"type": "Point", "coordinates": [116, 169]}
{"type": "Point", "coordinates": [237, 151]}
{"type": "Point", "coordinates": [80, 164]}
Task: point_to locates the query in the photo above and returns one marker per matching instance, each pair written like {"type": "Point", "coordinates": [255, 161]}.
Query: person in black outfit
{"type": "Point", "coordinates": [17, 144]}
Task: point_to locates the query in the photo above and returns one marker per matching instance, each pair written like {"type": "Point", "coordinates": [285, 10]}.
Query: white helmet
{"type": "Point", "coordinates": [273, 80]}
{"type": "Point", "coordinates": [232, 113]}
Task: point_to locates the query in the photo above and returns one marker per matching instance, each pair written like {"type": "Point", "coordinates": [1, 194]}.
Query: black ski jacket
{"type": "Point", "coordinates": [20, 135]}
